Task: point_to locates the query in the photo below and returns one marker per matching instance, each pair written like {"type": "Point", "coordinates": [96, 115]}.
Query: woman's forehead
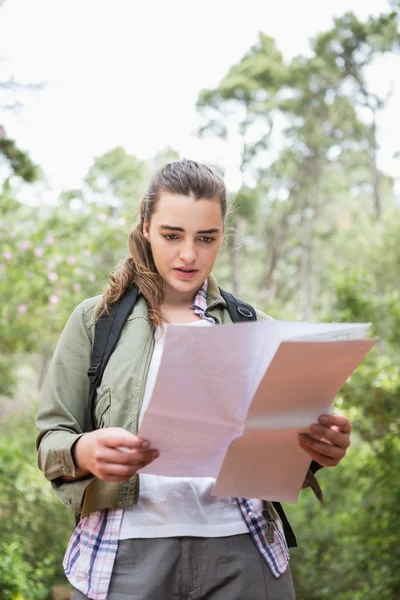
{"type": "Point", "coordinates": [186, 209]}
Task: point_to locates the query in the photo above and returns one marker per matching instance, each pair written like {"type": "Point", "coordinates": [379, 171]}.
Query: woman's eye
{"type": "Point", "coordinates": [171, 236]}
{"type": "Point", "coordinates": [206, 240]}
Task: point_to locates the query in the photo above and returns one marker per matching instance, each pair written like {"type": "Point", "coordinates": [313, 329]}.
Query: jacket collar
{"type": "Point", "coordinates": [214, 298]}
{"type": "Point", "coordinates": [215, 303]}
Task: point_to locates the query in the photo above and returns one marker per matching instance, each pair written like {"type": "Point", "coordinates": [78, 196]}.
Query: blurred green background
{"type": "Point", "coordinates": [315, 235]}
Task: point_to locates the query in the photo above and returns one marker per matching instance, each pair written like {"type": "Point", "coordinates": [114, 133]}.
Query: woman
{"type": "Point", "coordinates": [170, 539]}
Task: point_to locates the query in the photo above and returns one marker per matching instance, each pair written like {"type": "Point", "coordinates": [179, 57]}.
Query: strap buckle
{"type": "Point", "coordinates": [245, 312]}
{"type": "Point", "coordinates": [93, 372]}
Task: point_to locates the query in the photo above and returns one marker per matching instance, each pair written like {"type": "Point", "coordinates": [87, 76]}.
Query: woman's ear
{"type": "Point", "coordinates": [146, 230]}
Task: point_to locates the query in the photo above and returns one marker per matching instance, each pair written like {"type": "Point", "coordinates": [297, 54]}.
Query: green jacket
{"type": "Point", "coordinates": [62, 410]}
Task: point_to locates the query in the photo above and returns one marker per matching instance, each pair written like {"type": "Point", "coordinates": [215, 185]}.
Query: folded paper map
{"type": "Point", "coordinates": [229, 402]}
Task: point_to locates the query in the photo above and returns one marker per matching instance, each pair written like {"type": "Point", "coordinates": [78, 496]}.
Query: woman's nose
{"type": "Point", "coordinates": [188, 252]}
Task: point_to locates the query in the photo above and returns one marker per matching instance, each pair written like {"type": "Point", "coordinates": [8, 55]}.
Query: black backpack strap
{"type": "Point", "coordinates": [107, 333]}
{"type": "Point", "coordinates": [239, 310]}
{"type": "Point", "coordinates": [288, 531]}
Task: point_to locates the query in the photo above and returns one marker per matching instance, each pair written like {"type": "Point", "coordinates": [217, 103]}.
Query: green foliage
{"type": "Point", "coordinates": [18, 579]}
{"type": "Point", "coordinates": [34, 528]}
{"type": "Point", "coordinates": [117, 177]}
{"type": "Point", "coordinates": [54, 257]}
{"type": "Point", "coordinates": [18, 162]}
{"type": "Point", "coordinates": [349, 547]}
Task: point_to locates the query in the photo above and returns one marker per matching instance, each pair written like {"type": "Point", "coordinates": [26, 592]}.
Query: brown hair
{"type": "Point", "coordinates": [184, 177]}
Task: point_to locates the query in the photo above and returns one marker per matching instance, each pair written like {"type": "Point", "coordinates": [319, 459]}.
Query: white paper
{"type": "Point", "coordinates": [282, 408]}
{"type": "Point", "coordinates": [229, 402]}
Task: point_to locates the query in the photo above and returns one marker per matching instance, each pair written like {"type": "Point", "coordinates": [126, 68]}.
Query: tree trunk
{"type": "Point", "coordinates": [268, 284]}
{"type": "Point", "coordinates": [276, 237]}
{"type": "Point", "coordinates": [306, 269]}
{"type": "Point", "coordinates": [375, 173]}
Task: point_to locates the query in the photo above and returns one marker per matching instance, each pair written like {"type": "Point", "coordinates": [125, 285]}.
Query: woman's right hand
{"type": "Point", "coordinates": [111, 454]}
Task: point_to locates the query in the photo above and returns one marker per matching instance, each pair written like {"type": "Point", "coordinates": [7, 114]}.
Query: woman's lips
{"type": "Point", "coordinates": [186, 274]}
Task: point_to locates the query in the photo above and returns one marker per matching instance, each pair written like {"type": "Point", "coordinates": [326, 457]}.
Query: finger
{"type": "Point", "coordinates": [107, 455]}
{"type": "Point", "coordinates": [332, 436]}
{"type": "Point", "coordinates": [327, 450]}
{"type": "Point", "coordinates": [119, 478]}
{"type": "Point", "coordinates": [113, 472]}
{"type": "Point", "coordinates": [315, 434]}
{"type": "Point", "coordinates": [116, 436]}
{"type": "Point", "coordinates": [321, 459]}
{"type": "Point", "coordinates": [339, 421]}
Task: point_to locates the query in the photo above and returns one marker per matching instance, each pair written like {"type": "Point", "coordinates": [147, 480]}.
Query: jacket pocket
{"type": "Point", "coordinates": [102, 408]}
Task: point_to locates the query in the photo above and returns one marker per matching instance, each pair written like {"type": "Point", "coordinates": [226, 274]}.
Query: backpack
{"type": "Point", "coordinates": [107, 333]}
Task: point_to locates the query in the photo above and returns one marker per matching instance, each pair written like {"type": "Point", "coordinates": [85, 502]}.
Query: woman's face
{"type": "Point", "coordinates": [185, 236]}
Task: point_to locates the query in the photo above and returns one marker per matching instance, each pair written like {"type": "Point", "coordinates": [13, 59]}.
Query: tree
{"type": "Point", "coordinates": [322, 136]}
{"type": "Point", "coordinates": [117, 180]}
{"type": "Point", "coordinates": [240, 111]}
{"type": "Point", "coordinates": [18, 165]}
{"type": "Point", "coordinates": [349, 48]}
{"type": "Point", "coordinates": [17, 162]}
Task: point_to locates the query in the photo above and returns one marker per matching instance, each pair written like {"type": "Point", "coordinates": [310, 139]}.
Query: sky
{"type": "Point", "coordinates": [129, 72]}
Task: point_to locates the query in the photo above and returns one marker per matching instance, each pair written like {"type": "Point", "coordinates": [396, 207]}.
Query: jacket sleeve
{"type": "Point", "coordinates": [64, 399]}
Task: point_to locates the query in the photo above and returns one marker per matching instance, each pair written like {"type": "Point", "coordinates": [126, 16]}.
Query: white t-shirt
{"type": "Point", "coordinates": [178, 506]}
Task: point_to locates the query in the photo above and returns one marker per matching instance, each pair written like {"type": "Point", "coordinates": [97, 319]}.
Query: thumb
{"type": "Point", "coordinates": [117, 437]}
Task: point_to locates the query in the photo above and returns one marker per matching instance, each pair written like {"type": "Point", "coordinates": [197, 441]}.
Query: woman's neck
{"type": "Point", "coordinates": [175, 299]}
{"type": "Point", "coordinates": [178, 314]}
{"type": "Point", "coordinates": [177, 306]}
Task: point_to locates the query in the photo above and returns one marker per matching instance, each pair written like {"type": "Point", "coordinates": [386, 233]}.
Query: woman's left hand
{"type": "Point", "coordinates": [328, 439]}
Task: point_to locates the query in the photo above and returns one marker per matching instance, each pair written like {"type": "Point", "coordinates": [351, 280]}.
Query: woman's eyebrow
{"type": "Point", "coordinates": [209, 231]}
{"type": "Point", "coordinates": [173, 228]}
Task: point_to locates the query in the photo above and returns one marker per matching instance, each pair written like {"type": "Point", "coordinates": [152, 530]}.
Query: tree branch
{"type": "Point", "coordinates": [13, 84]}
